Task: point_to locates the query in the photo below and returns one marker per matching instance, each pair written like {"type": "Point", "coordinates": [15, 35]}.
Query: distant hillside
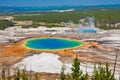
{"type": "Point", "coordinates": [37, 9]}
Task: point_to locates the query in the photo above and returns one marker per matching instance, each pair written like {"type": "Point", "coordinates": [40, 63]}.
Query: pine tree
{"type": "Point", "coordinates": [108, 73]}
{"type": "Point", "coordinates": [85, 77]}
{"type": "Point", "coordinates": [76, 72]}
{"type": "Point", "coordinates": [36, 76]}
{"type": "Point", "coordinates": [9, 78]}
{"type": "Point", "coordinates": [102, 73]}
{"type": "Point", "coordinates": [24, 76]}
{"type": "Point", "coordinates": [3, 73]}
{"type": "Point", "coordinates": [69, 77]}
{"type": "Point", "coordinates": [17, 77]}
{"type": "Point", "coordinates": [8, 73]}
{"type": "Point", "coordinates": [62, 75]}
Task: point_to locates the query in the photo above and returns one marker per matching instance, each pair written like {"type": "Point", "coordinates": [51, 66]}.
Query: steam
{"type": "Point", "coordinates": [87, 25]}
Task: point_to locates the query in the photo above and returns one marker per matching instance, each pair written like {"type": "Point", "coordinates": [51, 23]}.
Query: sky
{"type": "Point", "coordinates": [41, 3]}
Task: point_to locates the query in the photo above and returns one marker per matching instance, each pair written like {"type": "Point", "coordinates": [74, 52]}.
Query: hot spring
{"type": "Point", "coordinates": [52, 43]}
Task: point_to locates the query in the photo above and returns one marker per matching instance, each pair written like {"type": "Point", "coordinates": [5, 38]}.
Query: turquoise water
{"type": "Point", "coordinates": [89, 30]}
{"type": "Point", "coordinates": [52, 43]}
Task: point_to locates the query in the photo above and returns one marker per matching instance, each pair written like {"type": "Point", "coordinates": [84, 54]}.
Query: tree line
{"type": "Point", "coordinates": [5, 23]}
{"type": "Point", "coordinates": [102, 17]}
{"type": "Point", "coordinates": [100, 73]}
